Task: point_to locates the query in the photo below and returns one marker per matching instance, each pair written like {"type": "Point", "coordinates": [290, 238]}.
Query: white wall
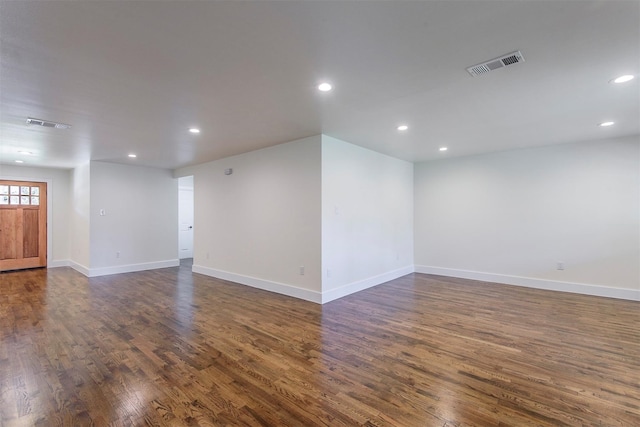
{"type": "Point", "coordinates": [79, 213]}
{"type": "Point", "coordinates": [259, 225]}
{"type": "Point", "coordinates": [59, 199]}
{"type": "Point", "coordinates": [367, 218]}
{"type": "Point", "coordinates": [139, 228]}
{"type": "Point", "coordinates": [511, 216]}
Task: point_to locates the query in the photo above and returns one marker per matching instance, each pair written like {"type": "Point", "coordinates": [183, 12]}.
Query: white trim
{"type": "Point", "coordinates": [305, 294]}
{"type": "Point", "coordinates": [79, 268]}
{"type": "Point", "coordinates": [59, 263]}
{"type": "Point", "coordinates": [267, 285]}
{"type": "Point", "coordinates": [129, 268]}
{"type": "Point", "coordinates": [351, 288]}
{"type": "Point", "coordinates": [551, 285]}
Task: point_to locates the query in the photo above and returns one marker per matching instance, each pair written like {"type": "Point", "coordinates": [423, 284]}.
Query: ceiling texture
{"type": "Point", "coordinates": [134, 76]}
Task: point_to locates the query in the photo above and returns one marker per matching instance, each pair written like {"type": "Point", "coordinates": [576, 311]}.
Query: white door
{"type": "Point", "coordinates": [185, 217]}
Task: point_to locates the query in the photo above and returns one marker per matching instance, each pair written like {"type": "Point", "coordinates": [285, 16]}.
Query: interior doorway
{"type": "Point", "coordinates": [185, 217]}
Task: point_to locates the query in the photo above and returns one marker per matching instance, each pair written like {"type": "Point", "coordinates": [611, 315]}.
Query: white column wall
{"type": "Point", "coordinates": [79, 216]}
{"type": "Point", "coordinates": [367, 218]}
{"type": "Point", "coordinates": [261, 224]}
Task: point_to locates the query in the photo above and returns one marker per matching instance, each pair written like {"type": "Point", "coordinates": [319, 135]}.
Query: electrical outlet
{"type": "Point", "coordinates": [118, 254]}
{"type": "Point", "coordinates": [560, 265]}
{"type": "Point", "coordinates": [302, 270]}
{"type": "Point", "coordinates": [328, 273]}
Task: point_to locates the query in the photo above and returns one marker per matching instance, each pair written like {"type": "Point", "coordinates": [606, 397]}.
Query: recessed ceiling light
{"type": "Point", "coordinates": [324, 87]}
{"type": "Point", "coordinates": [623, 79]}
{"type": "Point", "coordinates": [26, 153]}
{"type": "Point", "coordinates": [403, 127]}
{"type": "Point", "coordinates": [194, 130]}
{"type": "Point", "coordinates": [133, 156]}
{"type": "Point", "coordinates": [605, 124]}
{"type": "Point", "coordinates": [443, 148]}
{"type": "Point", "coordinates": [19, 161]}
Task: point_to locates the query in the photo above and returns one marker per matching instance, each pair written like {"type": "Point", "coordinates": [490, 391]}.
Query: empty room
{"type": "Point", "coordinates": [320, 213]}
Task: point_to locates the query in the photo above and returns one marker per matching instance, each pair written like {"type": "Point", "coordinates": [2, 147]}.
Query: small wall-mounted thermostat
{"type": "Point", "coordinates": [228, 171]}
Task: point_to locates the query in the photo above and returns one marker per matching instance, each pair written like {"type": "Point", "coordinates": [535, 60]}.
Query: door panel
{"type": "Point", "coordinates": [31, 236]}
{"type": "Point", "coordinates": [7, 240]}
{"type": "Point", "coordinates": [23, 225]}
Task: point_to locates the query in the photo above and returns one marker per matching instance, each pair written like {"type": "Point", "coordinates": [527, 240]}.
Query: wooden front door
{"type": "Point", "coordinates": [23, 225]}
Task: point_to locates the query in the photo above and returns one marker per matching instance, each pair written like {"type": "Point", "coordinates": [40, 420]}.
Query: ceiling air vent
{"type": "Point", "coordinates": [494, 64]}
{"type": "Point", "coordinates": [47, 124]}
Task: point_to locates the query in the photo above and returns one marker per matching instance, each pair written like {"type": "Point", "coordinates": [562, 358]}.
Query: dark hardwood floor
{"type": "Point", "coordinates": [168, 347]}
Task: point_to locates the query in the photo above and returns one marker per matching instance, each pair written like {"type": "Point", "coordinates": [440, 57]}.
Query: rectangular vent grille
{"type": "Point", "coordinates": [47, 124]}
{"type": "Point", "coordinates": [494, 64]}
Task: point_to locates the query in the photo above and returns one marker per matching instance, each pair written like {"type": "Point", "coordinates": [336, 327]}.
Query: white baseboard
{"type": "Point", "coordinates": [348, 289]}
{"type": "Point", "coordinates": [266, 285]}
{"type": "Point", "coordinates": [79, 268]}
{"type": "Point", "coordinates": [129, 268]}
{"type": "Point", "coordinates": [58, 263]}
{"type": "Point", "coordinates": [551, 285]}
{"type": "Point", "coordinates": [361, 285]}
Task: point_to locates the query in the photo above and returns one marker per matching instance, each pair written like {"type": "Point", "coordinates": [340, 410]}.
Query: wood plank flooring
{"type": "Point", "coordinates": [172, 348]}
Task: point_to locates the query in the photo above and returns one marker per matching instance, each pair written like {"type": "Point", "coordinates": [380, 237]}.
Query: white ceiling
{"type": "Point", "coordinates": [133, 76]}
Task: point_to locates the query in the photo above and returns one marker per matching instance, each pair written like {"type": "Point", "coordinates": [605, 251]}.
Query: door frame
{"type": "Point", "coordinates": [49, 181]}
